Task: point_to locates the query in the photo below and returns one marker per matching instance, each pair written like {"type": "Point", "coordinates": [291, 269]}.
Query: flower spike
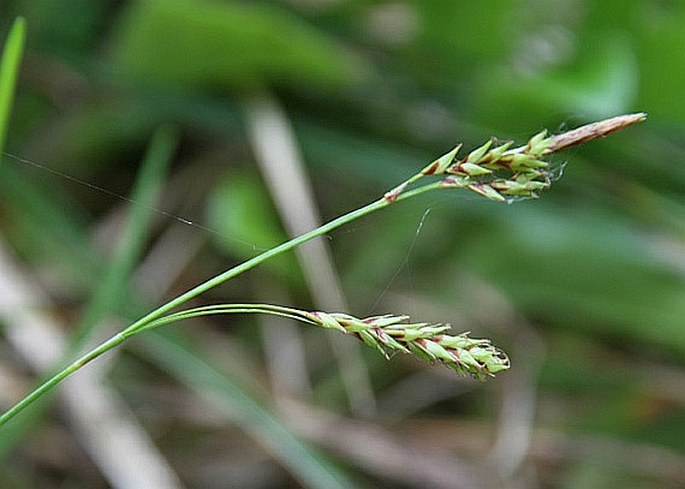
{"type": "Point", "coordinates": [390, 334]}
{"type": "Point", "coordinates": [501, 173]}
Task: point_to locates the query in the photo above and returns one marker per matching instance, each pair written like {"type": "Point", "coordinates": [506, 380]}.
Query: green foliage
{"type": "Point", "coordinates": [547, 278]}
{"type": "Point", "coordinates": [66, 28]}
{"type": "Point", "coordinates": [224, 45]}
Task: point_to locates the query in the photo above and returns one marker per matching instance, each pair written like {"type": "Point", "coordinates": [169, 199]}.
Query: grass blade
{"type": "Point", "coordinates": [111, 290]}
{"type": "Point", "coordinates": [9, 72]}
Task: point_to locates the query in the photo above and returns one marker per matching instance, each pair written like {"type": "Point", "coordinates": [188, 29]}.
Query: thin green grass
{"type": "Point", "coordinates": [109, 294]}
{"type": "Point", "coordinates": [9, 73]}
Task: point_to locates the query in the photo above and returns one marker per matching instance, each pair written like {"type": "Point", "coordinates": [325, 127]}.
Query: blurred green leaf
{"type": "Point", "coordinates": [604, 84]}
{"type": "Point", "coordinates": [96, 135]}
{"type": "Point", "coordinates": [199, 43]}
{"type": "Point", "coordinates": [67, 28]}
{"type": "Point", "coordinates": [587, 271]}
{"type": "Point", "coordinates": [456, 37]}
{"type": "Point", "coordinates": [470, 29]}
{"type": "Point", "coordinates": [601, 82]}
{"type": "Point", "coordinates": [662, 76]}
{"type": "Point", "coordinates": [596, 475]}
{"type": "Point", "coordinates": [33, 212]}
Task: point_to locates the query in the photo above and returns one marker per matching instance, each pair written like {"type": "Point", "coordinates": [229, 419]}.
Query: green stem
{"type": "Point", "coordinates": [59, 377]}
{"type": "Point", "coordinates": [272, 309]}
{"type": "Point", "coordinates": [282, 248]}
{"type": "Point", "coordinates": [154, 318]}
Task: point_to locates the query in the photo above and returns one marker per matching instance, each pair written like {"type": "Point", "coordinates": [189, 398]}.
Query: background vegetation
{"type": "Point", "coordinates": [585, 288]}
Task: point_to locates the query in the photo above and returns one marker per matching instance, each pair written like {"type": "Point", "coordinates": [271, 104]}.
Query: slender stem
{"type": "Point", "coordinates": [282, 248]}
{"type": "Point", "coordinates": [56, 379]}
{"type": "Point", "coordinates": [274, 310]}
{"type": "Point", "coordinates": [146, 321]}
{"type": "Point", "coordinates": [252, 262]}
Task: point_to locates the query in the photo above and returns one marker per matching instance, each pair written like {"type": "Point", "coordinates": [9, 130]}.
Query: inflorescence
{"type": "Point", "coordinates": [392, 334]}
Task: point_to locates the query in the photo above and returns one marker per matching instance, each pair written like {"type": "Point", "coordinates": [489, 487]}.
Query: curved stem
{"type": "Point", "coordinates": [282, 248]}
{"type": "Point", "coordinates": [157, 318]}
{"type": "Point", "coordinates": [274, 310]}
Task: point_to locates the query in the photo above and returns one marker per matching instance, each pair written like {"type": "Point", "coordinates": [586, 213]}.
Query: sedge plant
{"type": "Point", "coordinates": [496, 171]}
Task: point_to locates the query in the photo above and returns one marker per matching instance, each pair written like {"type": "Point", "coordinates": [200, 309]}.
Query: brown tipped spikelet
{"type": "Point", "coordinates": [499, 173]}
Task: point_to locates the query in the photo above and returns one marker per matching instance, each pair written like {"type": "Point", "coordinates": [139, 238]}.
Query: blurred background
{"type": "Point", "coordinates": [277, 115]}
